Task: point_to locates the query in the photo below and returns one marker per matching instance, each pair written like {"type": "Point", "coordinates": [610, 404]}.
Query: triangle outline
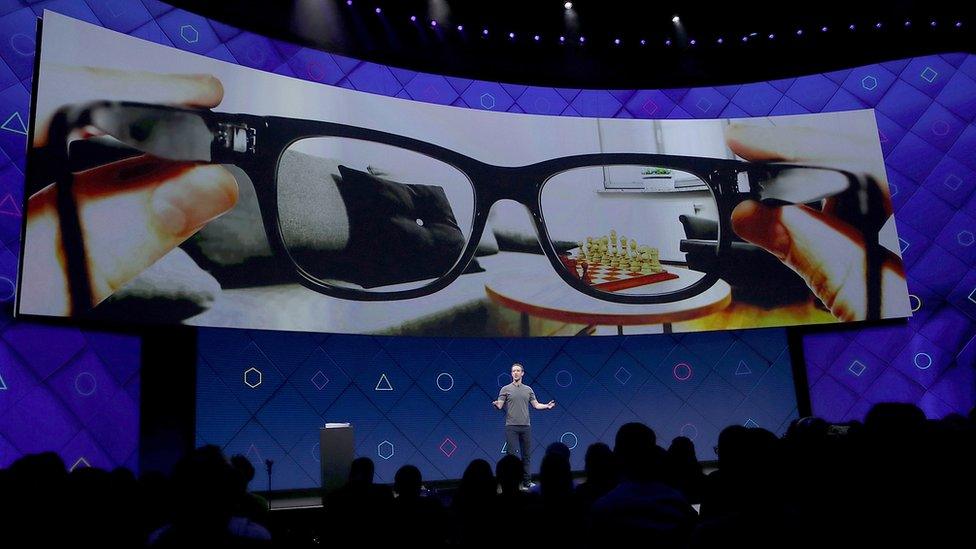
{"type": "Point", "coordinates": [257, 453]}
{"type": "Point", "coordinates": [10, 209]}
{"type": "Point", "coordinates": [379, 384]}
{"type": "Point", "coordinates": [743, 369]}
{"type": "Point", "coordinates": [15, 116]}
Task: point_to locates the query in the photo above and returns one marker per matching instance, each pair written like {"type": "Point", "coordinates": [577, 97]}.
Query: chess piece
{"type": "Point", "coordinates": [655, 256]}
{"type": "Point", "coordinates": [646, 267]}
{"type": "Point", "coordinates": [634, 257]}
{"type": "Point", "coordinates": [635, 263]}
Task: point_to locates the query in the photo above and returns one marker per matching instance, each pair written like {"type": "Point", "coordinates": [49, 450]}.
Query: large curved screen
{"type": "Point", "coordinates": [165, 186]}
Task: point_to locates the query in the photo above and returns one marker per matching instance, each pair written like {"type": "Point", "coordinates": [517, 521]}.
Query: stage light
{"type": "Point", "coordinates": [932, 23]}
{"type": "Point", "coordinates": [958, 24]}
{"type": "Point", "coordinates": [568, 5]}
{"type": "Point", "coordinates": [562, 39]}
{"type": "Point", "coordinates": [460, 28]}
{"type": "Point", "coordinates": [643, 42]}
{"type": "Point", "coordinates": [582, 39]}
{"type": "Point", "coordinates": [908, 23]}
{"type": "Point", "coordinates": [823, 29]}
{"type": "Point", "coordinates": [379, 11]}
{"type": "Point", "coordinates": [348, 2]}
{"type": "Point", "coordinates": [433, 23]}
{"type": "Point", "coordinates": [511, 35]}
{"type": "Point", "coordinates": [719, 41]}
{"type": "Point", "coordinates": [438, 10]}
{"type": "Point", "coordinates": [616, 42]}
{"type": "Point", "coordinates": [536, 38]}
{"type": "Point", "coordinates": [667, 43]}
{"type": "Point", "coordinates": [851, 27]}
{"type": "Point", "coordinates": [877, 25]}
{"type": "Point", "coordinates": [745, 38]}
{"type": "Point", "coordinates": [413, 18]}
{"type": "Point", "coordinates": [693, 42]}
{"type": "Point", "coordinates": [772, 36]}
{"type": "Point", "coordinates": [484, 32]}
{"type": "Point", "coordinates": [675, 19]}
{"type": "Point", "coordinates": [799, 32]}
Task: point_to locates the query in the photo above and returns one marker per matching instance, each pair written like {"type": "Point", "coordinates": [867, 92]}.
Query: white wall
{"type": "Point", "coordinates": [575, 206]}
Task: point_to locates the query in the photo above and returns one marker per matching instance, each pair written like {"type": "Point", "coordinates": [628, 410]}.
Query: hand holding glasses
{"type": "Point", "coordinates": [835, 249]}
{"type": "Point", "coordinates": [127, 214]}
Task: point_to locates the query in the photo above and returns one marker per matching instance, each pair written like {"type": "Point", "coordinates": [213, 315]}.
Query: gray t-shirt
{"type": "Point", "coordinates": [517, 399]}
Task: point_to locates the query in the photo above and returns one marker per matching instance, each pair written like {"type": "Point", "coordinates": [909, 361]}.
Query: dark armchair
{"type": "Point", "coordinates": [756, 276]}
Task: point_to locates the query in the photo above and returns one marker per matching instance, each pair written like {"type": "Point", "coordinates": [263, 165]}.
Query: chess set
{"type": "Point", "coordinates": [610, 264]}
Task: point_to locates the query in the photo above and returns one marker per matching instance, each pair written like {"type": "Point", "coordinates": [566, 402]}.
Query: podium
{"type": "Point", "coordinates": [336, 452]}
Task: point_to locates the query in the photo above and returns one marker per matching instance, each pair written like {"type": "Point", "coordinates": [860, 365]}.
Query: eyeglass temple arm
{"type": "Point", "coordinates": [871, 202]}
{"type": "Point", "coordinates": [72, 239]}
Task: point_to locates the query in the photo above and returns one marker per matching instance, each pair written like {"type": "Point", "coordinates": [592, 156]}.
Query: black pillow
{"type": "Point", "coordinates": [699, 228]}
{"type": "Point", "coordinates": [398, 232]}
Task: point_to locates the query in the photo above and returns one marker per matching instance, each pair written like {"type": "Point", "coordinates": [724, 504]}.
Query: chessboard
{"type": "Point", "coordinates": [612, 264]}
{"type": "Point", "coordinates": [613, 279]}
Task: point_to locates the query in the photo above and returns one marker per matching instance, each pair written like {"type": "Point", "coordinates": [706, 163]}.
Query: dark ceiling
{"type": "Point", "coordinates": [732, 40]}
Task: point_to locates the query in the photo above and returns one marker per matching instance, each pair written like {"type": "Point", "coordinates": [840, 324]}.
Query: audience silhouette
{"type": "Point", "coordinates": [895, 478]}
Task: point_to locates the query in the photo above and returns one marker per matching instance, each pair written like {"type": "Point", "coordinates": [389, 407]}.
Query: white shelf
{"type": "Point", "coordinates": [699, 189]}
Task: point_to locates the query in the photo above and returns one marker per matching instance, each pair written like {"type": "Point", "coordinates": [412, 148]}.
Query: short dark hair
{"type": "Point", "coordinates": [519, 364]}
{"type": "Point", "coordinates": [408, 481]}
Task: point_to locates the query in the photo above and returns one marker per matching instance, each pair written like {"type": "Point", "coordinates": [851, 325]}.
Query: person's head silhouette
{"type": "Point", "coordinates": [408, 482]}
{"type": "Point", "coordinates": [636, 450]}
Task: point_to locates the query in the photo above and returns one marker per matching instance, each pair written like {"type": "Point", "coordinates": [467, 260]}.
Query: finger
{"type": "Point", "coordinates": [132, 213]}
{"type": "Point", "coordinates": [828, 254]}
{"type": "Point", "coordinates": [83, 84]}
{"type": "Point", "coordinates": [801, 144]}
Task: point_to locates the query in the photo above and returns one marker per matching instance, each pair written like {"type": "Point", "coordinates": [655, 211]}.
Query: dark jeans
{"type": "Point", "coordinates": [521, 436]}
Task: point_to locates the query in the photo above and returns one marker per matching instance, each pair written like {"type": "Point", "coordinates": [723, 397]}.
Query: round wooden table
{"type": "Point", "coordinates": [540, 292]}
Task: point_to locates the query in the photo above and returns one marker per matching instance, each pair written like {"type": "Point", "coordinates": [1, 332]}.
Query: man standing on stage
{"type": "Point", "coordinates": [515, 398]}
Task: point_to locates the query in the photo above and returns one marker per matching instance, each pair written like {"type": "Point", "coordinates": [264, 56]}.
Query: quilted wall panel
{"type": "Point", "coordinates": [427, 401]}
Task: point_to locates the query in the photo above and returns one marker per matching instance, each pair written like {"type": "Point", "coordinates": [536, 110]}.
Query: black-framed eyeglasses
{"type": "Point", "coordinates": [417, 210]}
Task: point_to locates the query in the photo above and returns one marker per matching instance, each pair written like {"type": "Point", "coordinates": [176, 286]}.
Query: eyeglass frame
{"type": "Point", "coordinates": [256, 144]}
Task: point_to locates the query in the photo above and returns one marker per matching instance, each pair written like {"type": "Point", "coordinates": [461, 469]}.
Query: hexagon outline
{"type": "Point", "coordinates": [183, 34]}
{"type": "Point", "coordinates": [260, 377]}
{"type": "Point", "coordinates": [379, 452]}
